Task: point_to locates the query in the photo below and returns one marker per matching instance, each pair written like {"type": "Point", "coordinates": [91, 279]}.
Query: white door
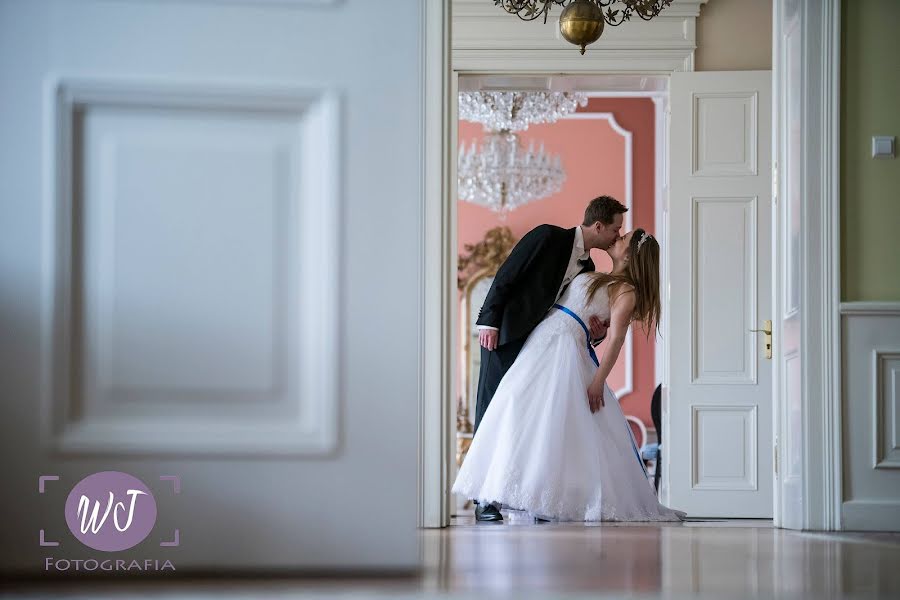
{"type": "Point", "coordinates": [208, 271]}
{"type": "Point", "coordinates": [718, 436]}
{"type": "Point", "coordinates": [788, 217]}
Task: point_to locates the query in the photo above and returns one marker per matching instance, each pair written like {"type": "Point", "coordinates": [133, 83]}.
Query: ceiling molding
{"type": "Point", "coordinates": [485, 38]}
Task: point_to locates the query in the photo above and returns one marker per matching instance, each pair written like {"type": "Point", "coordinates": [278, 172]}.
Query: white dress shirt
{"type": "Point", "coordinates": [578, 253]}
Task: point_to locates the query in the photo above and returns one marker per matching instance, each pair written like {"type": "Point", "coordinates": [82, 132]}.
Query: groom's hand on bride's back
{"type": "Point", "coordinates": [598, 329]}
{"type": "Point", "coordinates": [488, 338]}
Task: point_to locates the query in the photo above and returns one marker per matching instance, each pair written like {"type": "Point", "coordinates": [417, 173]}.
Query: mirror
{"type": "Point", "coordinates": [476, 274]}
{"type": "Point", "coordinates": [475, 294]}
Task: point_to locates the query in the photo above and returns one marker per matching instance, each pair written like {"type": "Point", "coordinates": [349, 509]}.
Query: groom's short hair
{"type": "Point", "coordinates": [603, 209]}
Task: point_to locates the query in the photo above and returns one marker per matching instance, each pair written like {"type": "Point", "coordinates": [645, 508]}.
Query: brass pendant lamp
{"type": "Point", "coordinates": [582, 21]}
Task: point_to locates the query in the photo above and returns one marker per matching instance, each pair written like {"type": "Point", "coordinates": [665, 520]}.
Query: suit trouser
{"type": "Point", "coordinates": [494, 365]}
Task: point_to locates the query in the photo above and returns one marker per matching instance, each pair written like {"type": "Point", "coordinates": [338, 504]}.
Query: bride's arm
{"type": "Point", "coordinates": [622, 307]}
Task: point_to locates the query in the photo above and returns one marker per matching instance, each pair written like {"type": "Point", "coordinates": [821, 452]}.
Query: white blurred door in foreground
{"type": "Point", "coordinates": [209, 275]}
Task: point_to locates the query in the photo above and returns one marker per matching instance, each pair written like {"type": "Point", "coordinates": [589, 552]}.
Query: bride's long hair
{"type": "Point", "coordinates": [641, 274]}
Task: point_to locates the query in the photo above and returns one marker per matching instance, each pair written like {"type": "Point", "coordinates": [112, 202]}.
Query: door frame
{"type": "Point", "coordinates": [660, 98]}
{"type": "Point", "coordinates": [436, 316]}
{"type": "Point", "coordinates": [820, 438]}
{"type": "Point", "coordinates": [438, 421]}
{"type": "Point", "coordinates": [818, 174]}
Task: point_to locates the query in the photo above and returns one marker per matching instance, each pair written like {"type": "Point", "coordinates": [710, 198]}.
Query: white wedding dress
{"type": "Point", "coordinates": [539, 449]}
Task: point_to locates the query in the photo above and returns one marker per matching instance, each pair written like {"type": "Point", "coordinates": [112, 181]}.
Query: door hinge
{"type": "Point", "coordinates": [775, 457]}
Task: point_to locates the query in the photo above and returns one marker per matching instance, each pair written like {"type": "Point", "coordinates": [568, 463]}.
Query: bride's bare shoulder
{"type": "Point", "coordinates": [621, 291]}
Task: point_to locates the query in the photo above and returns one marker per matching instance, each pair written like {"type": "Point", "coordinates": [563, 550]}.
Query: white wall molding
{"type": "Point", "coordinates": [871, 415]}
{"type": "Point", "coordinates": [629, 155]}
{"type": "Point", "coordinates": [628, 385]}
{"type": "Point", "coordinates": [623, 85]}
{"type": "Point", "coordinates": [872, 309]}
{"type": "Point", "coordinates": [886, 407]}
{"type": "Point", "coordinates": [480, 60]}
{"type": "Point", "coordinates": [654, 95]}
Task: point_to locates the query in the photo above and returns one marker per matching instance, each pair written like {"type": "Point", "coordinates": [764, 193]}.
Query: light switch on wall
{"type": "Point", "coordinates": [882, 146]}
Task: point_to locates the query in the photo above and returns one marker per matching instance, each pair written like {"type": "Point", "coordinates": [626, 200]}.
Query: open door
{"type": "Point", "coordinates": [209, 278]}
{"type": "Point", "coordinates": [788, 218]}
{"type": "Point", "coordinates": [719, 409]}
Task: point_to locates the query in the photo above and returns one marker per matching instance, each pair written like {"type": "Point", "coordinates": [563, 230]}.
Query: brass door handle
{"type": "Point", "coordinates": [767, 329]}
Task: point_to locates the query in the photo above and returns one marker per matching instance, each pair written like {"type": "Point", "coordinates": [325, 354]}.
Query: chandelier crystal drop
{"type": "Point", "coordinates": [515, 111]}
{"type": "Point", "coordinates": [502, 176]}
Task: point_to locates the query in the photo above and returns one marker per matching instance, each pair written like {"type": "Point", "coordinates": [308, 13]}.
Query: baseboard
{"type": "Point", "coordinates": [871, 515]}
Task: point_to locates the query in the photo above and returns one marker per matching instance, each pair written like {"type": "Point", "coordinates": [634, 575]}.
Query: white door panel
{"type": "Point", "coordinates": [208, 269]}
{"type": "Point", "coordinates": [720, 407]}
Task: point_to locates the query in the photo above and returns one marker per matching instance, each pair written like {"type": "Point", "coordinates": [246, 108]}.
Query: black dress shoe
{"type": "Point", "coordinates": [540, 520]}
{"type": "Point", "coordinates": [487, 512]}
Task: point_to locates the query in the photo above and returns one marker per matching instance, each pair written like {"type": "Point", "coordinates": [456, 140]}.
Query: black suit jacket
{"type": "Point", "coordinates": [526, 284]}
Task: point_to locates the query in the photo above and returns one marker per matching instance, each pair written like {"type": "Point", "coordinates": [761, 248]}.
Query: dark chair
{"type": "Point", "coordinates": [655, 415]}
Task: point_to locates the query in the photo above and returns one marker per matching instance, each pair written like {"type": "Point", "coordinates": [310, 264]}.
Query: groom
{"type": "Point", "coordinates": [526, 286]}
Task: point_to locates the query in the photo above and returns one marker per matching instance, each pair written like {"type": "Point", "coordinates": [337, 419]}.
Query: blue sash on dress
{"type": "Point", "coordinates": [586, 332]}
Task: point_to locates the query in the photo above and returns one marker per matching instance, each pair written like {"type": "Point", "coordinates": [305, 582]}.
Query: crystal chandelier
{"type": "Point", "coordinates": [502, 176]}
{"type": "Point", "coordinates": [515, 111]}
{"type": "Point", "coordinates": [581, 21]}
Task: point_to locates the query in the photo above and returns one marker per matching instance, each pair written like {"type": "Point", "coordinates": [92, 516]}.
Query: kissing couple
{"type": "Point", "coordinates": [550, 438]}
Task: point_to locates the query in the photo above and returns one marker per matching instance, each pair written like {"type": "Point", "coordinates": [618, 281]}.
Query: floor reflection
{"type": "Point", "coordinates": [722, 559]}
{"type": "Point", "coordinates": [521, 560]}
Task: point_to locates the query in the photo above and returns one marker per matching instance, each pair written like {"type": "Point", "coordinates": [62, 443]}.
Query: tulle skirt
{"type": "Point", "coordinates": [539, 448]}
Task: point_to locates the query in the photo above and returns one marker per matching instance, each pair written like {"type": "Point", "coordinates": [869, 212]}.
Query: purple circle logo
{"type": "Point", "coordinates": [110, 511]}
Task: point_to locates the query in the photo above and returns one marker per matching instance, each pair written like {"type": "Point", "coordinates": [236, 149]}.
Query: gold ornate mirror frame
{"type": "Point", "coordinates": [482, 260]}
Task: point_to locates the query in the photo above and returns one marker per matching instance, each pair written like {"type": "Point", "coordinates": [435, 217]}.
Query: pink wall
{"type": "Point", "coordinates": [593, 156]}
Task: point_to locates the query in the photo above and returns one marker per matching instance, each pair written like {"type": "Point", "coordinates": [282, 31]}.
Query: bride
{"type": "Point", "coordinates": [554, 441]}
